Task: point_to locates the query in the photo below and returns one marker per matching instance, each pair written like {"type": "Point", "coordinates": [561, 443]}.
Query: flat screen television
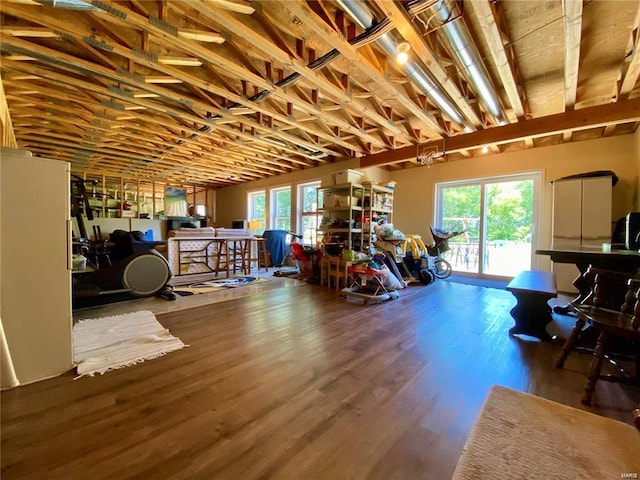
{"type": "Point", "coordinates": [240, 224]}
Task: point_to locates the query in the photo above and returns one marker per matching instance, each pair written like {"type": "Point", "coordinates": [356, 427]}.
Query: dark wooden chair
{"type": "Point", "coordinates": [608, 290]}
{"type": "Point", "coordinates": [611, 324]}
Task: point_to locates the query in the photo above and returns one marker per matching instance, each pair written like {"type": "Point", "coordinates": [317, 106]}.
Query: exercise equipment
{"type": "Point", "coordinates": [140, 275]}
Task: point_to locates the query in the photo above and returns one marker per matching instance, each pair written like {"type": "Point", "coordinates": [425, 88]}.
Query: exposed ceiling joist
{"type": "Point", "coordinates": [262, 88]}
{"type": "Point", "coordinates": [573, 34]}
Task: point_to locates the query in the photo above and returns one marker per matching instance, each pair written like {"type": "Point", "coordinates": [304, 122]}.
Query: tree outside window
{"type": "Point", "coordinates": [308, 217]}
{"type": "Point", "coordinates": [281, 208]}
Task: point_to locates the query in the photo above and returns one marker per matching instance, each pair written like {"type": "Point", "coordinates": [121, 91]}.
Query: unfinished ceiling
{"type": "Point", "coordinates": [218, 92]}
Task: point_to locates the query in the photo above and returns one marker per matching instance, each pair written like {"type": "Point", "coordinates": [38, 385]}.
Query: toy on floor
{"type": "Point", "coordinates": [372, 282]}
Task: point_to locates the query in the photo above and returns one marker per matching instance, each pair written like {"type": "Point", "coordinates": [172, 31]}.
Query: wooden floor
{"type": "Point", "coordinates": [295, 383]}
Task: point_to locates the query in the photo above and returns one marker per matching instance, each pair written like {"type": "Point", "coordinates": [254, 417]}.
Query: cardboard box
{"type": "Point", "coordinates": [347, 176]}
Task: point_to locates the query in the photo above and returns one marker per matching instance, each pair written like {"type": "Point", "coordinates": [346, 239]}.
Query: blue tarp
{"type": "Point", "coordinates": [275, 241]}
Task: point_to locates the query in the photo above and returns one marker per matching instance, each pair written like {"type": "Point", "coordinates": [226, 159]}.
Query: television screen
{"type": "Point", "coordinates": [241, 224]}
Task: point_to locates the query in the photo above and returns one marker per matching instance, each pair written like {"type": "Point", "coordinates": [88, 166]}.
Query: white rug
{"type": "Point", "coordinates": [108, 343]}
{"type": "Point", "coordinates": [519, 435]}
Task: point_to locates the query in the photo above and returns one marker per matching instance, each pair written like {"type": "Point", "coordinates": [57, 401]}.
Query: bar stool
{"type": "Point", "coordinates": [222, 256]}
{"type": "Point", "coordinates": [258, 255]}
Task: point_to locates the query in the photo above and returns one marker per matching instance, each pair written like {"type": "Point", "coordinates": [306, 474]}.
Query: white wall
{"type": "Point", "coordinates": [414, 192]}
{"type": "Point", "coordinates": [108, 225]}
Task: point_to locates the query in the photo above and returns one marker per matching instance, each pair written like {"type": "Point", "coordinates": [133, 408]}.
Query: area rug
{"type": "Point", "coordinates": [518, 435]}
{"type": "Point", "coordinates": [108, 343]}
{"type": "Point", "coordinates": [215, 285]}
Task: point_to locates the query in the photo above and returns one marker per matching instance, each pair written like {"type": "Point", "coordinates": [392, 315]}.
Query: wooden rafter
{"type": "Point", "coordinates": [632, 62]}
{"type": "Point", "coordinates": [485, 13]}
{"type": "Point", "coordinates": [256, 96]}
{"type": "Point", "coordinates": [572, 10]}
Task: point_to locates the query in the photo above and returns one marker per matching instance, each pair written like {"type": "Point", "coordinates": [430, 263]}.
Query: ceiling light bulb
{"type": "Point", "coordinates": [485, 149]}
{"type": "Point", "coordinates": [402, 51]}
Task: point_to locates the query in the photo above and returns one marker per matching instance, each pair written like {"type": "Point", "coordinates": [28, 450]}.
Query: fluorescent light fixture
{"type": "Point", "coordinates": [35, 32]}
{"type": "Point", "coordinates": [182, 61]}
{"type": "Point", "coordinates": [166, 79]}
{"type": "Point", "coordinates": [241, 110]}
{"type": "Point", "coordinates": [73, 5]}
{"type": "Point", "coordinates": [201, 36]}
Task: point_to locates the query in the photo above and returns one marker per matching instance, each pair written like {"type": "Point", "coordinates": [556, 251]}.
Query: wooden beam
{"type": "Point", "coordinates": [572, 10]}
{"type": "Point", "coordinates": [599, 116]}
{"type": "Point", "coordinates": [632, 70]}
{"type": "Point", "coordinates": [489, 27]}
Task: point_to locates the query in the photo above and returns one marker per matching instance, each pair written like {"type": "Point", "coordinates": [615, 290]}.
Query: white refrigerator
{"type": "Point", "coordinates": [35, 273]}
{"type": "Point", "coordinates": [581, 218]}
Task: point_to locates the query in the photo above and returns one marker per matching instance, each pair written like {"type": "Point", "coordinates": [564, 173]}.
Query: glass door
{"type": "Point", "coordinates": [497, 217]}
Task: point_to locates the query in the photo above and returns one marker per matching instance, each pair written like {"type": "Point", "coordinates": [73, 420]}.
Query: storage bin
{"type": "Point", "coordinates": [347, 176]}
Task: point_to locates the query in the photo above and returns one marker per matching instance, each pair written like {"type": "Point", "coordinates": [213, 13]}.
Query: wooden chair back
{"type": "Point", "coordinates": [609, 289]}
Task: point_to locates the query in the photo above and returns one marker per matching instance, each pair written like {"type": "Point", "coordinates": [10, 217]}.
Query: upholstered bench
{"type": "Point", "coordinates": [532, 289]}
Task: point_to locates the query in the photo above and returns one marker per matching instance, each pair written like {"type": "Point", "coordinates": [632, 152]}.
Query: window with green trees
{"type": "Point", "coordinates": [281, 208]}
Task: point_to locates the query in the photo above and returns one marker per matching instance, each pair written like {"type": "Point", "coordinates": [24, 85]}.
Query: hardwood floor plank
{"type": "Point", "coordinates": [295, 383]}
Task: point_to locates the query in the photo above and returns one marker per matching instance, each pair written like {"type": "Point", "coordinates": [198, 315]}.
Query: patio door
{"type": "Point", "coordinates": [497, 216]}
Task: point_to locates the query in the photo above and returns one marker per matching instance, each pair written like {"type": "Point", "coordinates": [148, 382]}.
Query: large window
{"type": "Point", "coordinates": [281, 208]}
{"type": "Point", "coordinates": [308, 217]}
{"type": "Point", "coordinates": [257, 212]}
{"type": "Point", "coordinates": [497, 216]}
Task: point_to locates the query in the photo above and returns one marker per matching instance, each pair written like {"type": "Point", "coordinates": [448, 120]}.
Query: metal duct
{"type": "Point", "coordinates": [361, 14]}
{"type": "Point", "coordinates": [459, 38]}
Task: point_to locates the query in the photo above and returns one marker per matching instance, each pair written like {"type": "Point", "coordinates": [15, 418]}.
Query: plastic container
{"type": "Point", "coordinates": [347, 176]}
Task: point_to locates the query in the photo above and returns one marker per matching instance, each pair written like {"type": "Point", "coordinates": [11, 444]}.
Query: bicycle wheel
{"type": "Point", "coordinates": [442, 268]}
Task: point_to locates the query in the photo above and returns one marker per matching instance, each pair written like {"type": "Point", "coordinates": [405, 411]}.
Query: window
{"type": "Point", "coordinates": [308, 217]}
{"type": "Point", "coordinates": [281, 208]}
{"type": "Point", "coordinates": [256, 211]}
{"type": "Point", "coordinates": [497, 215]}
